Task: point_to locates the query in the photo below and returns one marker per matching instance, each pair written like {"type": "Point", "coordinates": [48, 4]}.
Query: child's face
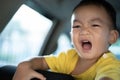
{"type": "Point", "coordinates": [91, 33]}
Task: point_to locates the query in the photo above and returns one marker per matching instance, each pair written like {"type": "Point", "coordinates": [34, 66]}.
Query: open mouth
{"type": "Point", "coordinates": [86, 45]}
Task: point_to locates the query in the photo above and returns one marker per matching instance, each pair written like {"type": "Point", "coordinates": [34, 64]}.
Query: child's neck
{"type": "Point", "coordinates": [83, 65]}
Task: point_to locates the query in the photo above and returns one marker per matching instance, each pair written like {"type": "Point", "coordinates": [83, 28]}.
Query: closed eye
{"type": "Point", "coordinates": [95, 25]}
{"type": "Point", "coordinates": [76, 26]}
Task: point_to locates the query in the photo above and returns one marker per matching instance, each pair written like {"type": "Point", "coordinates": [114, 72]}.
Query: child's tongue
{"type": "Point", "coordinates": [86, 45]}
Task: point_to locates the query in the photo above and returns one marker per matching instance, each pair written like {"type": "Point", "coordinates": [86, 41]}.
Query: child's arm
{"type": "Point", "coordinates": [25, 70]}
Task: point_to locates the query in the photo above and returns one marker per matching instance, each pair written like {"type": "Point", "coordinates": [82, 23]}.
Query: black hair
{"type": "Point", "coordinates": [107, 6]}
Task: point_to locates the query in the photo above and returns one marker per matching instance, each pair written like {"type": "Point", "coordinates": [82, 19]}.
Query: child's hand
{"type": "Point", "coordinates": [24, 72]}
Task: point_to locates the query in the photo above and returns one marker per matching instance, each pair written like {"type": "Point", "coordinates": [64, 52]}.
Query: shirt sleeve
{"type": "Point", "coordinates": [110, 69]}
{"type": "Point", "coordinates": [63, 63]}
{"type": "Point", "coordinates": [55, 63]}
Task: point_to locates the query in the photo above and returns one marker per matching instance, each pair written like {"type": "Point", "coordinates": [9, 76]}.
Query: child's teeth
{"type": "Point", "coordinates": [85, 41]}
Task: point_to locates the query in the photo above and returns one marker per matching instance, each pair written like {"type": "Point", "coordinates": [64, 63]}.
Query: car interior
{"type": "Point", "coordinates": [32, 28]}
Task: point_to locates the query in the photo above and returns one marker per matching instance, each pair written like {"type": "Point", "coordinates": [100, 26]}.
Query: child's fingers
{"type": "Point", "coordinates": [39, 76]}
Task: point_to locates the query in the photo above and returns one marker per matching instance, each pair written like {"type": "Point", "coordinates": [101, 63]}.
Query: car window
{"type": "Point", "coordinates": [22, 38]}
{"type": "Point", "coordinates": [64, 43]}
{"type": "Point", "coordinates": [115, 48]}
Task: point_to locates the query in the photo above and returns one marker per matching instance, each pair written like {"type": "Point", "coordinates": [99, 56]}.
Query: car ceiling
{"type": "Point", "coordinates": [60, 9]}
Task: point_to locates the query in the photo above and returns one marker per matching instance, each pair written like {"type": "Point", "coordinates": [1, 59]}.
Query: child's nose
{"type": "Point", "coordinates": [84, 31]}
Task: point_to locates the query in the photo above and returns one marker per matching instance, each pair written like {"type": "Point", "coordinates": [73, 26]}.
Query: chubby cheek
{"type": "Point", "coordinates": [102, 41]}
{"type": "Point", "coordinates": [75, 39]}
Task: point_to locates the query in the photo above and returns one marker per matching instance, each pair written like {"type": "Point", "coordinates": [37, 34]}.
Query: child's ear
{"type": "Point", "coordinates": [113, 36]}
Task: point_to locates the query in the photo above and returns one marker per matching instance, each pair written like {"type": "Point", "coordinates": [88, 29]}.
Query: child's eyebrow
{"type": "Point", "coordinates": [97, 19]}
{"type": "Point", "coordinates": [76, 20]}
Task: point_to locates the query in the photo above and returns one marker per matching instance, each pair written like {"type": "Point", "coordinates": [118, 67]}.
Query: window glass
{"type": "Point", "coordinates": [64, 44]}
{"type": "Point", "coordinates": [23, 36]}
{"type": "Point", "coordinates": [115, 48]}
